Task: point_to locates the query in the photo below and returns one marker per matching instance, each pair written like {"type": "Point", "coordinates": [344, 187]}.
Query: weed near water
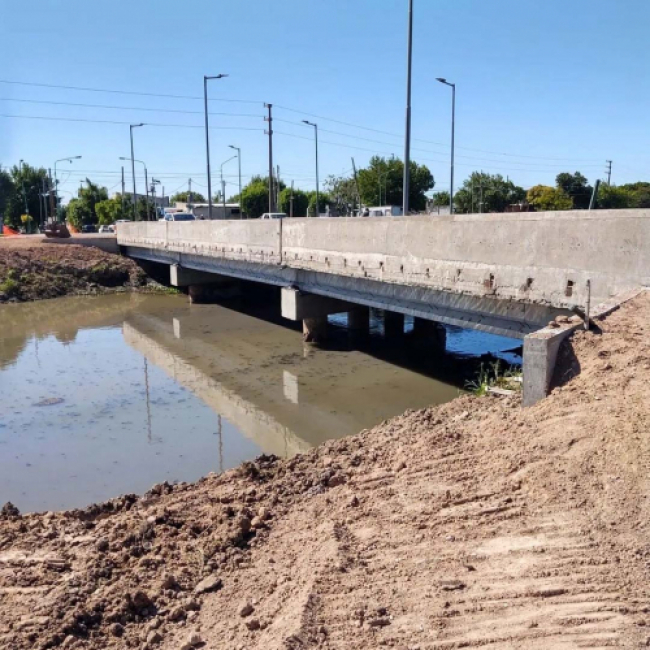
{"type": "Point", "coordinates": [492, 376]}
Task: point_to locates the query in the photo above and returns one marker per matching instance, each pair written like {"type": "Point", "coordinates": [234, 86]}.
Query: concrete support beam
{"type": "Point", "coordinates": [431, 331]}
{"type": "Point", "coordinates": [393, 324]}
{"type": "Point", "coordinates": [181, 277]}
{"type": "Point", "coordinates": [297, 305]}
{"type": "Point", "coordinates": [314, 330]}
{"type": "Point", "coordinates": [359, 320]}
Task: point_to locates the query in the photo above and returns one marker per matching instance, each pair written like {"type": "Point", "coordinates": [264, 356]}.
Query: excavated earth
{"type": "Point", "coordinates": [475, 524]}
{"type": "Point", "coordinates": [31, 270]}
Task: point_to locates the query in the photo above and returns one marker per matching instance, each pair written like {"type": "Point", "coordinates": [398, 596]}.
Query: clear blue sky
{"type": "Point", "coordinates": [558, 85]}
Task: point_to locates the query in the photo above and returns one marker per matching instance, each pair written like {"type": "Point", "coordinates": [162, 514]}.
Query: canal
{"type": "Point", "coordinates": [108, 395]}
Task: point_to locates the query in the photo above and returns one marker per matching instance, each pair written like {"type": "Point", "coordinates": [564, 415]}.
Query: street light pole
{"type": "Point", "coordinates": [146, 184]}
{"type": "Point", "coordinates": [223, 185]}
{"type": "Point", "coordinates": [135, 207]}
{"type": "Point", "coordinates": [317, 183]}
{"type": "Point", "coordinates": [56, 182]}
{"type": "Point", "coordinates": [407, 138]}
{"type": "Point", "coordinates": [453, 129]}
{"type": "Point", "coordinates": [21, 165]}
{"type": "Point", "coordinates": [239, 163]}
{"type": "Point", "coordinates": [207, 136]}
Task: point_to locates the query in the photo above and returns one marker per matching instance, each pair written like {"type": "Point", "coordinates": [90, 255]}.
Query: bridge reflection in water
{"type": "Point", "coordinates": [259, 377]}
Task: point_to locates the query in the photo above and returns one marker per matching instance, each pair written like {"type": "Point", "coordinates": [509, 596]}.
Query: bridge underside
{"type": "Point", "coordinates": [496, 316]}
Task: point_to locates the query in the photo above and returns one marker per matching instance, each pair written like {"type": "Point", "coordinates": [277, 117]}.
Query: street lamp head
{"type": "Point", "coordinates": [232, 146]}
{"type": "Point", "coordinates": [442, 80]}
{"type": "Point", "coordinates": [76, 158]}
{"type": "Point", "coordinates": [218, 76]}
{"type": "Point", "coordinates": [134, 125]}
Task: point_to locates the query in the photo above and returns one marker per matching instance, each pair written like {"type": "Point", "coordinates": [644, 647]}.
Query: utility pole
{"type": "Point", "coordinates": [122, 215]}
{"type": "Point", "coordinates": [356, 182]}
{"type": "Point", "coordinates": [162, 200]}
{"type": "Point", "coordinates": [291, 202]}
{"type": "Point", "coordinates": [52, 212]}
{"type": "Point", "coordinates": [269, 132]}
{"type": "Point", "coordinates": [277, 188]}
{"type": "Point", "coordinates": [407, 139]}
{"type": "Point", "coordinates": [189, 192]}
{"type": "Point", "coordinates": [609, 172]}
{"type": "Point", "coordinates": [44, 196]}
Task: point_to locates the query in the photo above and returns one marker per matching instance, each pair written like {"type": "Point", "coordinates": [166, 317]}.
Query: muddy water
{"type": "Point", "coordinates": [107, 395]}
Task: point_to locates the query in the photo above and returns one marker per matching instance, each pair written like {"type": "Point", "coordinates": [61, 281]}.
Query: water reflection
{"type": "Point", "coordinates": [113, 394]}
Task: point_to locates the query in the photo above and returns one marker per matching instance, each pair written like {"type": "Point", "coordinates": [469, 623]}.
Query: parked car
{"type": "Point", "coordinates": [106, 229]}
{"type": "Point", "coordinates": [179, 216]}
{"type": "Point", "coordinates": [273, 215]}
{"type": "Point", "coordinates": [88, 227]}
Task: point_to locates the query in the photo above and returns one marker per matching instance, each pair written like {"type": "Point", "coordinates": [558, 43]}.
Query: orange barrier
{"type": "Point", "coordinates": [9, 232]}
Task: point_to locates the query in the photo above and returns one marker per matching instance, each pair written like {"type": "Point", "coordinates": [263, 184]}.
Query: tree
{"type": "Point", "coordinates": [323, 201]}
{"type": "Point", "coordinates": [83, 209]}
{"type": "Point", "coordinates": [483, 192]}
{"type": "Point", "coordinates": [611, 197]}
{"type": "Point", "coordinates": [300, 202]}
{"type": "Point", "coordinates": [640, 194]}
{"type": "Point", "coordinates": [441, 198]}
{"type": "Point", "coordinates": [255, 196]}
{"type": "Point", "coordinates": [576, 186]}
{"type": "Point", "coordinates": [544, 197]}
{"type": "Point", "coordinates": [343, 192]}
{"type": "Point", "coordinates": [27, 187]}
{"type": "Point", "coordinates": [389, 173]}
{"type": "Point", "coordinates": [183, 197]}
{"type": "Point", "coordinates": [110, 210]}
{"type": "Point", "coordinates": [7, 190]}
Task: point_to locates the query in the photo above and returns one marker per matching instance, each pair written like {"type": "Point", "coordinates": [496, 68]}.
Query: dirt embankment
{"type": "Point", "coordinates": [34, 272]}
{"type": "Point", "coordinates": [474, 524]}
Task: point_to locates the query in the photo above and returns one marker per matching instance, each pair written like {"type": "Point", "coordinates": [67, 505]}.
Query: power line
{"type": "Point", "coordinates": [127, 108]}
{"type": "Point", "coordinates": [120, 92]}
{"type": "Point", "coordinates": [286, 108]}
{"type": "Point", "coordinates": [79, 119]}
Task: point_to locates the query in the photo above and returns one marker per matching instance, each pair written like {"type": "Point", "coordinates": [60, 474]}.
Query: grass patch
{"type": "Point", "coordinates": [492, 376]}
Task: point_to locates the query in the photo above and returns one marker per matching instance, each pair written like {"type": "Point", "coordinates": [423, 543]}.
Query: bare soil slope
{"type": "Point", "coordinates": [475, 524]}
{"type": "Point", "coordinates": [31, 270]}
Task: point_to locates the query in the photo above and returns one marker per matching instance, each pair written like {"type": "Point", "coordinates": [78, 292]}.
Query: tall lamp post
{"type": "Point", "coordinates": [223, 185]}
{"type": "Point", "coordinates": [56, 182]}
{"type": "Point", "coordinates": [207, 137]}
{"type": "Point", "coordinates": [135, 207]}
{"type": "Point", "coordinates": [407, 138]}
{"type": "Point", "coordinates": [21, 164]}
{"type": "Point", "coordinates": [146, 184]}
{"type": "Point", "coordinates": [238, 150]}
{"type": "Point", "coordinates": [453, 128]}
{"type": "Point", "coordinates": [317, 183]}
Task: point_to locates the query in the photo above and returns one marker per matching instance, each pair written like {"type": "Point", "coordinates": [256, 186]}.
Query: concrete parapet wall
{"type": "Point", "coordinates": [543, 257]}
{"type": "Point", "coordinates": [246, 240]}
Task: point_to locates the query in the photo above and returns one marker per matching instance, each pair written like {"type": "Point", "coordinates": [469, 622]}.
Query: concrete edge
{"type": "Point", "coordinates": [541, 348]}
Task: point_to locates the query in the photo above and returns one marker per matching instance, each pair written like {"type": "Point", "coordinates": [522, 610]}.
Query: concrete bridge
{"type": "Point", "coordinates": [508, 274]}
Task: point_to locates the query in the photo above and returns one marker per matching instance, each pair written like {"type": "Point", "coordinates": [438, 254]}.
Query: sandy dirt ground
{"type": "Point", "coordinates": [33, 269]}
{"type": "Point", "coordinates": [474, 524]}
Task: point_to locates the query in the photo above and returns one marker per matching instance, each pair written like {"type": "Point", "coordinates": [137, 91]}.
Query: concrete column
{"type": "Point", "coordinates": [393, 324]}
{"type": "Point", "coordinates": [314, 330]}
{"type": "Point", "coordinates": [540, 354]}
{"type": "Point", "coordinates": [359, 320]}
{"type": "Point", "coordinates": [431, 331]}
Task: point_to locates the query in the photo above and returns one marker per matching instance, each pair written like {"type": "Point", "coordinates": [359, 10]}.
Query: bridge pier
{"type": "Point", "coordinates": [312, 310]}
{"type": "Point", "coordinates": [359, 321]}
{"type": "Point", "coordinates": [431, 331]}
{"type": "Point", "coordinates": [393, 324]}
